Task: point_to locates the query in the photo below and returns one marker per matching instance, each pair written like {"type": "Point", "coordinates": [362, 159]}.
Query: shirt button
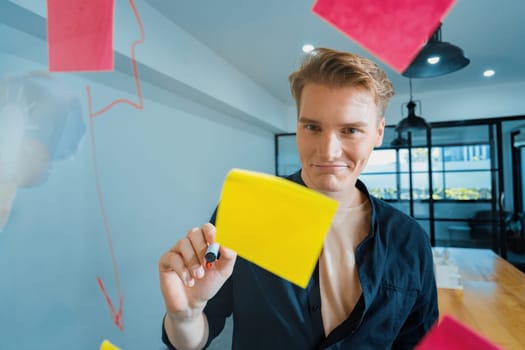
{"type": "Point", "coordinates": [315, 308]}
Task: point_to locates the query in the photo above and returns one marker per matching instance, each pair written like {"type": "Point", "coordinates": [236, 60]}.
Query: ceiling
{"type": "Point", "coordinates": [263, 39]}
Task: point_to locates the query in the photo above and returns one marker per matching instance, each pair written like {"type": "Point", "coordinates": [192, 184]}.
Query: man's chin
{"type": "Point", "coordinates": [328, 182]}
{"type": "Point", "coordinates": [330, 186]}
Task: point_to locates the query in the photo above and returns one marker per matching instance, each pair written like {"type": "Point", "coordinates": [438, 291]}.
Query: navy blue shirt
{"type": "Point", "coordinates": [397, 306]}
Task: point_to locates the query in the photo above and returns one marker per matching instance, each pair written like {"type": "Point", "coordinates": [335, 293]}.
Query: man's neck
{"type": "Point", "coordinates": [349, 199]}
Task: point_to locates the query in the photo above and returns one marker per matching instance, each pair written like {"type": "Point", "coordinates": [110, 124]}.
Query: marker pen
{"type": "Point", "coordinates": [212, 254]}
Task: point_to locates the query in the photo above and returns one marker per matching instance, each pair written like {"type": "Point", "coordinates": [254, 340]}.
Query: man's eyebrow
{"type": "Point", "coordinates": [307, 120]}
{"type": "Point", "coordinates": [361, 124]}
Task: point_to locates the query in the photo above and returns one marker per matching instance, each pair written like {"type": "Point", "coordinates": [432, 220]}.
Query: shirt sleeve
{"type": "Point", "coordinates": [218, 309]}
{"type": "Point", "coordinates": [165, 339]}
{"type": "Point", "coordinates": [425, 312]}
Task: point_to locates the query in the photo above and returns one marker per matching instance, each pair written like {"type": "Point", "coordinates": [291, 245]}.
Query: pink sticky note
{"type": "Point", "coordinates": [392, 30]}
{"type": "Point", "coordinates": [80, 35]}
{"type": "Point", "coordinates": [452, 335]}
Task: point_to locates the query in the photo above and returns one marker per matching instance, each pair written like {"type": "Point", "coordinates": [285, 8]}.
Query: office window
{"type": "Point", "coordinates": [462, 172]}
{"type": "Point", "coordinates": [458, 173]}
{"type": "Point", "coordinates": [389, 173]}
{"type": "Point", "coordinates": [287, 157]}
{"type": "Point", "coordinates": [382, 174]}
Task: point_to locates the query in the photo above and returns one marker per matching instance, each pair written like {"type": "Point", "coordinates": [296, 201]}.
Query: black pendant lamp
{"type": "Point", "coordinates": [412, 121]}
{"type": "Point", "coordinates": [436, 58]}
{"type": "Point", "coordinates": [399, 141]}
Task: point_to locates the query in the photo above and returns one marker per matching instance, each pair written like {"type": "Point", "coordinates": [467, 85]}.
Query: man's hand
{"type": "Point", "coordinates": [185, 282]}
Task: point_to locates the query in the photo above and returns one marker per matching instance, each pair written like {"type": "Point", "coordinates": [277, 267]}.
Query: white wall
{"type": "Point", "coordinates": [461, 104]}
{"type": "Point", "coordinates": [160, 169]}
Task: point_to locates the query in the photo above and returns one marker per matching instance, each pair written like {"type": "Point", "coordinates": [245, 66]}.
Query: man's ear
{"type": "Point", "coordinates": [380, 132]}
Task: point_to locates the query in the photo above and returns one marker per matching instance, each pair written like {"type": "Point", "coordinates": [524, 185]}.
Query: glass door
{"type": "Point", "coordinates": [466, 163]}
{"type": "Point", "coordinates": [448, 178]}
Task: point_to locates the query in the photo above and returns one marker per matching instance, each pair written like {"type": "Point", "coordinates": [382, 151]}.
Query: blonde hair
{"type": "Point", "coordinates": [334, 68]}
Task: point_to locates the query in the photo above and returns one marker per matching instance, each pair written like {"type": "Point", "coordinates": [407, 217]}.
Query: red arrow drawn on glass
{"type": "Point", "coordinates": [116, 314]}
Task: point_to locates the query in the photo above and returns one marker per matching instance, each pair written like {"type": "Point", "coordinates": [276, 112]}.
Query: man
{"type": "Point", "coordinates": [373, 287]}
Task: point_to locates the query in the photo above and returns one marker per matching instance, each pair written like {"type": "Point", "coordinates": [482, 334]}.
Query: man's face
{"type": "Point", "coordinates": [337, 131]}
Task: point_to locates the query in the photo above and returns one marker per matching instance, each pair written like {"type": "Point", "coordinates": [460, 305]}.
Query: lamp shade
{"type": "Point", "coordinates": [399, 141]}
{"type": "Point", "coordinates": [436, 58]}
{"type": "Point", "coordinates": [450, 59]}
{"type": "Point", "coordinates": [412, 121]}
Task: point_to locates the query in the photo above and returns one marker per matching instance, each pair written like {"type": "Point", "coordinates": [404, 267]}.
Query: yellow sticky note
{"type": "Point", "coordinates": [106, 345]}
{"type": "Point", "coordinates": [274, 223]}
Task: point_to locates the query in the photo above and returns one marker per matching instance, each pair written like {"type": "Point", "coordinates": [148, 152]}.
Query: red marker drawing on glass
{"type": "Point", "coordinates": [116, 314]}
{"type": "Point", "coordinates": [91, 23]}
{"type": "Point", "coordinates": [140, 104]}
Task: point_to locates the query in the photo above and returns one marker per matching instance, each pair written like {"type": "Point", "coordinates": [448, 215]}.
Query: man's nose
{"type": "Point", "coordinates": [330, 146]}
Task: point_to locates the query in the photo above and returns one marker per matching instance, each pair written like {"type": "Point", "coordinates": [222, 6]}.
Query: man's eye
{"type": "Point", "coordinates": [350, 131]}
{"type": "Point", "coordinates": [311, 127]}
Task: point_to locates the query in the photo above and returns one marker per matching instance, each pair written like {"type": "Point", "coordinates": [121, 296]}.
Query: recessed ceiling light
{"type": "Point", "coordinates": [489, 73]}
{"type": "Point", "coordinates": [308, 48]}
{"type": "Point", "coordinates": [433, 59]}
